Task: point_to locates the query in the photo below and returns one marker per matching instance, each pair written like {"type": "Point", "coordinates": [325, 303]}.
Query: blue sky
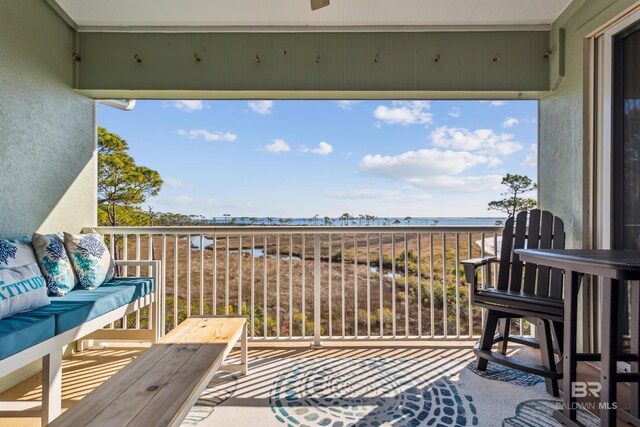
{"type": "Point", "coordinates": [301, 158]}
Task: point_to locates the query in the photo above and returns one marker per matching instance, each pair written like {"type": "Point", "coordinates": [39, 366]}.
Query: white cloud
{"type": "Point", "coordinates": [416, 166]}
{"type": "Point", "coordinates": [404, 113]}
{"type": "Point", "coordinates": [531, 161]}
{"type": "Point", "coordinates": [483, 141]}
{"type": "Point", "coordinates": [498, 103]}
{"type": "Point", "coordinates": [207, 135]}
{"type": "Point", "coordinates": [510, 122]}
{"type": "Point", "coordinates": [261, 107]}
{"type": "Point", "coordinates": [454, 112]}
{"type": "Point", "coordinates": [323, 149]}
{"type": "Point", "coordinates": [346, 105]}
{"type": "Point", "coordinates": [278, 146]}
{"type": "Point", "coordinates": [173, 182]}
{"type": "Point", "coordinates": [433, 169]}
{"type": "Point", "coordinates": [188, 105]}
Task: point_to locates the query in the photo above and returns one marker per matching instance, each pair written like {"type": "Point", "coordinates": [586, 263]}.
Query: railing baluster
{"type": "Point", "coordinates": [394, 313]}
{"type": "Point", "coordinates": [381, 277]}
{"type": "Point", "coordinates": [444, 286]}
{"type": "Point", "coordinates": [214, 279]}
{"type": "Point", "coordinates": [188, 275]}
{"type": "Point", "coordinates": [368, 286]}
{"type": "Point", "coordinates": [330, 290]}
{"type": "Point", "coordinates": [264, 287]}
{"type": "Point", "coordinates": [138, 252]}
{"type": "Point", "coordinates": [176, 297]}
{"type": "Point", "coordinates": [431, 302]}
{"type": "Point", "coordinates": [470, 289]}
{"type": "Point", "coordinates": [483, 271]}
{"type": "Point", "coordinates": [226, 277]}
{"type": "Point", "coordinates": [201, 274]}
{"type": "Point", "coordinates": [291, 285]}
{"type": "Point", "coordinates": [253, 284]}
{"type": "Point", "coordinates": [457, 267]}
{"type": "Point", "coordinates": [239, 312]}
{"type": "Point", "coordinates": [342, 237]}
{"type": "Point", "coordinates": [419, 249]}
{"type": "Point", "coordinates": [163, 294]}
{"type": "Point", "coordinates": [125, 257]}
{"type": "Point", "coordinates": [406, 285]}
{"type": "Point", "coordinates": [304, 286]}
{"type": "Point", "coordinates": [316, 291]}
{"type": "Point", "coordinates": [112, 249]}
{"type": "Point", "coordinates": [278, 286]}
{"type": "Point", "coordinates": [355, 283]}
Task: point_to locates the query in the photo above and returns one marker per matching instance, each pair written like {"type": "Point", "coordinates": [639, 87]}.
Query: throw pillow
{"type": "Point", "coordinates": [21, 289]}
{"type": "Point", "coordinates": [91, 259]}
{"type": "Point", "coordinates": [16, 252]}
{"type": "Point", "coordinates": [54, 263]}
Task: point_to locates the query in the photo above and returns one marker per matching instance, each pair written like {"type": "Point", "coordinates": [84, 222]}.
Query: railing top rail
{"type": "Point", "coordinates": [297, 229]}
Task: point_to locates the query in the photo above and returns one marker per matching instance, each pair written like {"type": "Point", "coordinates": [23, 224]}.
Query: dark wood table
{"type": "Point", "coordinates": [615, 267]}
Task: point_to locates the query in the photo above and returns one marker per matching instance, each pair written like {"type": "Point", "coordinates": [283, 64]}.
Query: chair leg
{"type": "Point", "coordinates": [547, 355]}
{"type": "Point", "coordinates": [558, 333]}
{"type": "Point", "coordinates": [504, 326]}
{"type": "Point", "coordinates": [486, 341]}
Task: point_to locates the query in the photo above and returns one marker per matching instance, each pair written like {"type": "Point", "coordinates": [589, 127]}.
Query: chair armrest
{"type": "Point", "coordinates": [470, 268]}
{"type": "Point", "coordinates": [477, 262]}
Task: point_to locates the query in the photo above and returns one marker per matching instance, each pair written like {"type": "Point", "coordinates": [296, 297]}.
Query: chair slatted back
{"type": "Point", "coordinates": [536, 230]}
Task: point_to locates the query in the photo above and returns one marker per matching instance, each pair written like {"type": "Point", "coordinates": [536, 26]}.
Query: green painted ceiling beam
{"type": "Point", "coordinates": [475, 64]}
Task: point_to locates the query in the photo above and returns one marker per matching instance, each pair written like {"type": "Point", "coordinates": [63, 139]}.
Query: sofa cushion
{"type": "Point", "coordinates": [54, 263]}
{"type": "Point", "coordinates": [21, 289]}
{"type": "Point", "coordinates": [24, 330]}
{"type": "Point", "coordinates": [81, 306]}
{"type": "Point", "coordinates": [90, 258]}
{"type": "Point", "coordinates": [16, 252]}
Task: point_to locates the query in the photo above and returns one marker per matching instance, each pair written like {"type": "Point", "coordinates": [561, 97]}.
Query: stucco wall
{"type": "Point", "coordinates": [561, 171]}
{"type": "Point", "coordinates": [47, 144]}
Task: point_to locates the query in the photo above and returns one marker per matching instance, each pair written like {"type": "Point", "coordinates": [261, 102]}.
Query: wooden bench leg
{"type": "Point", "coordinates": [244, 351]}
{"type": "Point", "coordinates": [51, 386]}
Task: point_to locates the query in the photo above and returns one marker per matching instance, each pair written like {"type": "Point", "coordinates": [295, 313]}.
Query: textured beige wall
{"type": "Point", "coordinates": [47, 143]}
{"type": "Point", "coordinates": [562, 168]}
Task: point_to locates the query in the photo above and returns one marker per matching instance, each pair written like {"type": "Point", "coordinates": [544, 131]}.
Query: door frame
{"type": "Point", "coordinates": [598, 119]}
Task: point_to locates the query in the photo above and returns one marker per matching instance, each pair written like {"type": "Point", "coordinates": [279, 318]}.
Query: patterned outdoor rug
{"type": "Point", "coordinates": [342, 392]}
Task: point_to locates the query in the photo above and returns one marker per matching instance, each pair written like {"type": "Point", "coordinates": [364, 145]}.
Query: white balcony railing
{"type": "Point", "coordinates": [315, 283]}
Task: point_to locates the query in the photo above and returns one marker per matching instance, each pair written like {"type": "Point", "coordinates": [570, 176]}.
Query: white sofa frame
{"type": "Point", "coordinates": [51, 350]}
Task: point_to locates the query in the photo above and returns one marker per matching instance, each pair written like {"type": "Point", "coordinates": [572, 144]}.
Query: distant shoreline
{"type": "Point", "coordinates": [358, 220]}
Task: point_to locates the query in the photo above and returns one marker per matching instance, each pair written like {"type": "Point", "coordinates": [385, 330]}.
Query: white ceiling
{"type": "Point", "coordinates": [297, 13]}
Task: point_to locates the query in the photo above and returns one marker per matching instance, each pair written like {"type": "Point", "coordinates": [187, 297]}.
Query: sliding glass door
{"type": "Point", "coordinates": [625, 177]}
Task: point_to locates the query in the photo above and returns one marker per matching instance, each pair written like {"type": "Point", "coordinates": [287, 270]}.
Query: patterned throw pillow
{"type": "Point", "coordinates": [91, 259]}
{"type": "Point", "coordinates": [21, 289]}
{"type": "Point", "coordinates": [16, 252]}
{"type": "Point", "coordinates": [54, 263]}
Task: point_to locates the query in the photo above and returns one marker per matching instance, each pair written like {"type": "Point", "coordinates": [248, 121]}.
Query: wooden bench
{"type": "Point", "coordinates": [160, 387]}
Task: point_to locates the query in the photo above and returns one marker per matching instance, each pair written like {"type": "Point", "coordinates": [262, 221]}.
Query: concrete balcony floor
{"type": "Point", "coordinates": [349, 382]}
